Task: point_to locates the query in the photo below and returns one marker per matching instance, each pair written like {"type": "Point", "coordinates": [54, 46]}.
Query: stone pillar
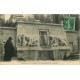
{"type": "Point", "coordinates": [36, 55]}
{"type": "Point", "coordinates": [55, 52]}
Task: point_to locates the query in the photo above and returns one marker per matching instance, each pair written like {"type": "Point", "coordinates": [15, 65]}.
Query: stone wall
{"type": "Point", "coordinates": [32, 31]}
{"type": "Point", "coordinates": [72, 40]}
{"type": "Point", "coordinates": [6, 32]}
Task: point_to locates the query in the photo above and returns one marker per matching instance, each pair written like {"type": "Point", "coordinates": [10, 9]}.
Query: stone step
{"type": "Point", "coordinates": [73, 56]}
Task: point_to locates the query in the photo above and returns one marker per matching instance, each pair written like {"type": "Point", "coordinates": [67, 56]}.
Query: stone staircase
{"type": "Point", "coordinates": [74, 56]}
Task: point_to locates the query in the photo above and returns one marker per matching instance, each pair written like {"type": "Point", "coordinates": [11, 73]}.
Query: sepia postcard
{"type": "Point", "coordinates": [39, 39]}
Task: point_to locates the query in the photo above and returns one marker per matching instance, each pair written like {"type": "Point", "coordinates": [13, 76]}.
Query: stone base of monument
{"type": "Point", "coordinates": [14, 59]}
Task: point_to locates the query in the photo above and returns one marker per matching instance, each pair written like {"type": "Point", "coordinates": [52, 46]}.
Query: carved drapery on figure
{"type": "Point", "coordinates": [27, 41]}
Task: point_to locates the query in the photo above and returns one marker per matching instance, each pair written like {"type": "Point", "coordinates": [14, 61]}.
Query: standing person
{"type": "Point", "coordinates": [9, 50]}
